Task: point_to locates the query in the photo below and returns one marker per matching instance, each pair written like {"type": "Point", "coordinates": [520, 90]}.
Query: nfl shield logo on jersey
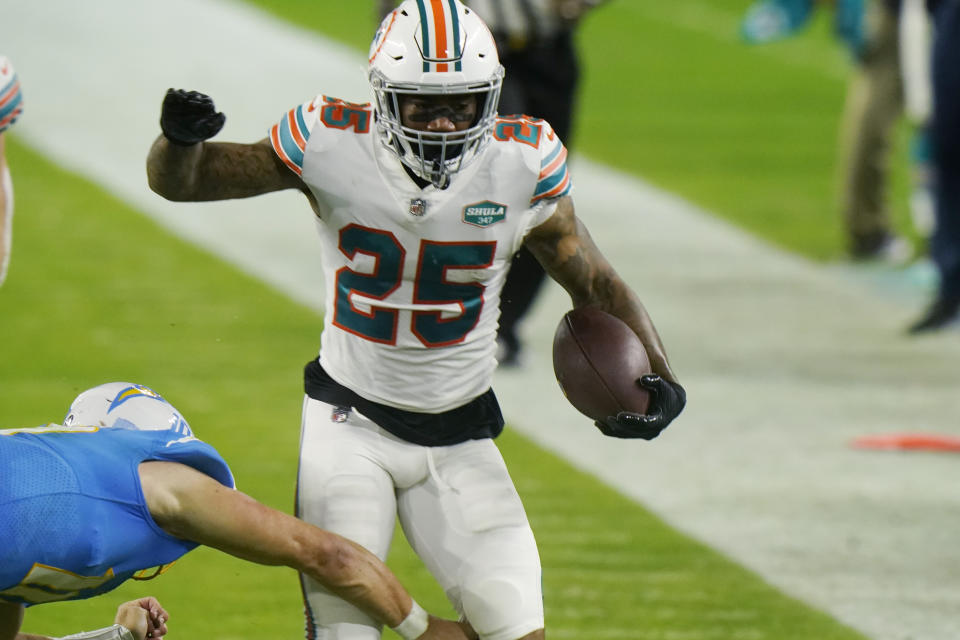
{"type": "Point", "coordinates": [418, 207]}
{"type": "Point", "coordinates": [484, 214]}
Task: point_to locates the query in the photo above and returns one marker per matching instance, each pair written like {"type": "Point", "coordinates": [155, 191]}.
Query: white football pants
{"type": "Point", "coordinates": [6, 220]}
{"type": "Point", "coordinates": [457, 506]}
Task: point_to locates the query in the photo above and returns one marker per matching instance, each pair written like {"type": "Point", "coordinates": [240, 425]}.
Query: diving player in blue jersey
{"type": "Point", "coordinates": [123, 486]}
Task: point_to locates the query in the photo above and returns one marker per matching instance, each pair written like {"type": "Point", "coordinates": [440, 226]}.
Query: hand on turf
{"type": "Point", "coordinates": [145, 618]}
{"type": "Point", "coordinates": [667, 400]}
{"type": "Point", "coordinates": [189, 117]}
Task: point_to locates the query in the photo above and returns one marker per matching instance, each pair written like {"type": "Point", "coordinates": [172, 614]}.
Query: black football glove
{"type": "Point", "coordinates": [667, 400]}
{"type": "Point", "coordinates": [189, 117]}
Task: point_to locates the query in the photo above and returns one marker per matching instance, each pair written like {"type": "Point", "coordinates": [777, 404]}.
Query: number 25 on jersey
{"type": "Point", "coordinates": [444, 312]}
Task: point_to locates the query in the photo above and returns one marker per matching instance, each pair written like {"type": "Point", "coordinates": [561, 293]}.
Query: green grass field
{"type": "Point", "coordinates": [98, 292]}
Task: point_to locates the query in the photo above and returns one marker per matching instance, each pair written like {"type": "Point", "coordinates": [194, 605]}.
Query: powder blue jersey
{"type": "Point", "coordinates": [73, 519]}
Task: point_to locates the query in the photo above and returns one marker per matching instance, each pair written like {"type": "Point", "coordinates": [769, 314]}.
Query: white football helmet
{"type": "Point", "coordinates": [434, 47]}
{"type": "Point", "coordinates": [123, 405]}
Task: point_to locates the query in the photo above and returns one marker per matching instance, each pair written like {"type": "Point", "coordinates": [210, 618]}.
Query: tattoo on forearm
{"type": "Point", "coordinates": [577, 264]}
{"type": "Point", "coordinates": [566, 250]}
{"type": "Point", "coordinates": [238, 171]}
{"type": "Point", "coordinates": [216, 171]}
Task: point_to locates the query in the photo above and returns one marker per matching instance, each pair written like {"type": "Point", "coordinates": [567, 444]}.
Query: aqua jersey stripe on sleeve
{"type": "Point", "coordinates": [554, 180]}
{"type": "Point", "coordinates": [289, 138]}
{"type": "Point", "coordinates": [546, 162]}
{"type": "Point", "coordinates": [11, 102]}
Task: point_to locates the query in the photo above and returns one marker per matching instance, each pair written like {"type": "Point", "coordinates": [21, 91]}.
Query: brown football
{"type": "Point", "coordinates": [597, 359]}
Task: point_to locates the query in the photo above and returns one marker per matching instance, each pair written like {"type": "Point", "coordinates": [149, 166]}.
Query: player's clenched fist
{"type": "Point", "coordinates": [189, 117]}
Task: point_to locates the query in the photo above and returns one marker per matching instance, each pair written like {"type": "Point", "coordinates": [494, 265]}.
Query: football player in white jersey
{"type": "Point", "coordinates": [11, 107]}
{"type": "Point", "coordinates": [420, 200]}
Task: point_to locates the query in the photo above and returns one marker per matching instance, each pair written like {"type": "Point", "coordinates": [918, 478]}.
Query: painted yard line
{"type": "Point", "coordinates": [785, 362]}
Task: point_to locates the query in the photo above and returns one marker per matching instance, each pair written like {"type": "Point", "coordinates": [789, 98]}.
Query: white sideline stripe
{"type": "Point", "coordinates": [784, 361]}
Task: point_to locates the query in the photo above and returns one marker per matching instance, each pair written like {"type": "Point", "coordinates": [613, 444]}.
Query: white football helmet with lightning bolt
{"type": "Point", "coordinates": [124, 405]}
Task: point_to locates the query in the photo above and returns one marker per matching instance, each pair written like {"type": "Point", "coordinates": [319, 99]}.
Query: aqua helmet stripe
{"type": "Point", "coordinates": [455, 19]}
{"type": "Point", "coordinates": [425, 31]}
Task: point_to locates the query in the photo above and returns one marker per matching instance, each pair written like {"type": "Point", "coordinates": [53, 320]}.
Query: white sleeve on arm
{"type": "Point", "coordinates": [6, 221]}
{"type": "Point", "coordinates": [115, 632]}
{"type": "Point", "coordinates": [290, 135]}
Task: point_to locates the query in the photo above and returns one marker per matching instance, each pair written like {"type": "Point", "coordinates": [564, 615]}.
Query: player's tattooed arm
{"type": "Point", "coordinates": [564, 247]}
{"type": "Point", "coordinates": [216, 170]}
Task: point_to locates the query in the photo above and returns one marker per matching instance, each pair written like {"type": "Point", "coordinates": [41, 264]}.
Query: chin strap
{"type": "Point", "coordinates": [116, 632]}
{"type": "Point", "coordinates": [439, 179]}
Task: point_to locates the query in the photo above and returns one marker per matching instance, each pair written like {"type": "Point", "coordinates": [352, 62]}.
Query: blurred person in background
{"type": "Point", "coordinates": [944, 310]}
{"type": "Point", "coordinates": [535, 40]}
{"type": "Point", "coordinates": [11, 106]}
{"type": "Point", "coordinates": [874, 105]}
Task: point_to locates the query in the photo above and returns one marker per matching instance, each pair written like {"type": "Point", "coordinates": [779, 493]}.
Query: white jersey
{"type": "Point", "coordinates": [413, 276]}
